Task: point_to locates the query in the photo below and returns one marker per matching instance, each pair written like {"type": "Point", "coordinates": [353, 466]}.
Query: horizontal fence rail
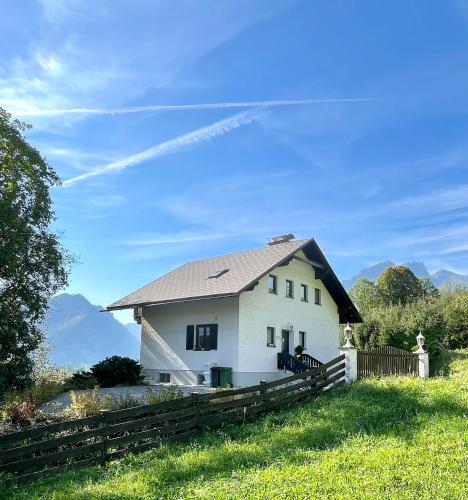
{"type": "Point", "coordinates": [386, 360]}
{"type": "Point", "coordinates": [46, 450]}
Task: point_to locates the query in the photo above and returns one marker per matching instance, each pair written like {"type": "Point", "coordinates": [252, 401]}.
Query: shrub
{"type": "Point", "coordinates": [299, 350]}
{"type": "Point", "coordinates": [117, 370]}
{"type": "Point", "coordinates": [84, 404]}
{"type": "Point", "coordinates": [48, 379]}
{"type": "Point", "coordinates": [163, 394]}
{"type": "Point", "coordinates": [398, 325]}
{"type": "Point", "coordinates": [21, 412]}
{"type": "Point", "coordinates": [456, 320]}
{"type": "Point", "coordinates": [122, 401]}
{"type": "Point", "coordinates": [80, 380]}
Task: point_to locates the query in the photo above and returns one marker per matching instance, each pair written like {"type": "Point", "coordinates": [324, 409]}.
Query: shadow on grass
{"type": "Point", "coordinates": [442, 365]}
{"type": "Point", "coordinates": [376, 408]}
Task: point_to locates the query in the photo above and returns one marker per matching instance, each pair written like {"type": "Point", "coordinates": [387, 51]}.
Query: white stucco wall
{"type": "Point", "coordinates": [242, 335]}
{"type": "Point", "coordinates": [163, 337]}
{"type": "Point", "coordinates": [259, 309]}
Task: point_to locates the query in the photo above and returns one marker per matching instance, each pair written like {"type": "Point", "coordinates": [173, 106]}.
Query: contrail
{"type": "Point", "coordinates": [207, 133]}
{"type": "Point", "coordinates": [184, 107]}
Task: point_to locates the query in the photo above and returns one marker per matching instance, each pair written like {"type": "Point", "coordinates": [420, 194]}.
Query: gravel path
{"type": "Point", "coordinates": [140, 392]}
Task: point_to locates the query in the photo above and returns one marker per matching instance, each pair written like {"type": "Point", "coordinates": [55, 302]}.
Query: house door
{"type": "Point", "coordinates": [285, 341]}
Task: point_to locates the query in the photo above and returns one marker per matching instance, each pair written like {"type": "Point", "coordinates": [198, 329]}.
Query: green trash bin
{"type": "Point", "coordinates": [221, 376]}
{"type": "Point", "coordinates": [225, 376]}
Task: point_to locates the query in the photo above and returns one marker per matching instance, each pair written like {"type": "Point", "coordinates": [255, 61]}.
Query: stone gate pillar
{"type": "Point", "coordinates": [350, 352]}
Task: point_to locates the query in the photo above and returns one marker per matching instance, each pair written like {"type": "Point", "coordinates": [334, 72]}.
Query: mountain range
{"type": "Point", "coordinates": [80, 335]}
{"type": "Point", "coordinates": [439, 278]}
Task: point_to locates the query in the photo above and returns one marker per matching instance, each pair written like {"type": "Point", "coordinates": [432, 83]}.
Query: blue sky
{"type": "Point", "coordinates": [188, 129]}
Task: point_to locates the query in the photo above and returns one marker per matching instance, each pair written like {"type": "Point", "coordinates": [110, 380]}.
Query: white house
{"type": "Point", "coordinates": [246, 311]}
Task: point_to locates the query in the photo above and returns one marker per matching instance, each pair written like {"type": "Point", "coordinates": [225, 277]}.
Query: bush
{"type": "Point", "coordinates": [80, 380]}
{"type": "Point", "coordinates": [117, 370]}
{"type": "Point", "coordinates": [398, 325]}
{"type": "Point", "coordinates": [20, 412]}
{"type": "Point", "coordinates": [163, 394]}
{"type": "Point", "coordinates": [299, 350]}
{"type": "Point", "coordinates": [122, 401]}
{"type": "Point", "coordinates": [456, 320]}
{"type": "Point", "coordinates": [48, 379]}
{"type": "Point", "coordinates": [84, 404]}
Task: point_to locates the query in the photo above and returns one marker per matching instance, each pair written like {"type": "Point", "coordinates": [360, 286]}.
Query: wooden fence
{"type": "Point", "coordinates": [386, 360]}
{"type": "Point", "coordinates": [46, 450]}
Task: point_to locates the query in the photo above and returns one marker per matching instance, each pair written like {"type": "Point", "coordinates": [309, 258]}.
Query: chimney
{"type": "Point", "coordinates": [282, 238]}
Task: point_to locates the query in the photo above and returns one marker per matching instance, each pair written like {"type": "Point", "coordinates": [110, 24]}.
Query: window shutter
{"type": "Point", "coordinates": [214, 336]}
{"type": "Point", "coordinates": [189, 341]}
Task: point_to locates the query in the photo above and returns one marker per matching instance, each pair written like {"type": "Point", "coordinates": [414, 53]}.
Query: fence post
{"type": "Point", "coordinates": [423, 356]}
{"type": "Point", "coordinates": [264, 393]}
{"type": "Point", "coordinates": [103, 427]}
{"type": "Point", "coordinates": [350, 353]}
{"type": "Point", "coordinates": [195, 401]}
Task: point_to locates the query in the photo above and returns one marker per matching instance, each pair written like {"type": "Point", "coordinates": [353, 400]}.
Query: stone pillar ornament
{"type": "Point", "coordinates": [423, 356]}
{"type": "Point", "coordinates": [420, 339]}
{"type": "Point", "coordinates": [348, 333]}
{"type": "Point", "coordinates": [350, 353]}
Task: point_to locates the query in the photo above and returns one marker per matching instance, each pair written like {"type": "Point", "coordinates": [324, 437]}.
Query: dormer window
{"type": "Point", "coordinates": [217, 274]}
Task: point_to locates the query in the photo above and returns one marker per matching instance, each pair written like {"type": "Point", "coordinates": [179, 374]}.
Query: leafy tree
{"type": "Point", "coordinates": [398, 285]}
{"type": "Point", "coordinates": [428, 288]}
{"type": "Point", "coordinates": [33, 264]}
{"type": "Point", "coordinates": [456, 320]}
{"type": "Point", "coordinates": [364, 294]}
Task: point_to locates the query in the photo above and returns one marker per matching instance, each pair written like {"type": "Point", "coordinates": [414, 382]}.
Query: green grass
{"type": "Point", "coordinates": [396, 437]}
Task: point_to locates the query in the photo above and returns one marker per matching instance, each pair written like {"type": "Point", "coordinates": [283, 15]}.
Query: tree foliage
{"type": "Point", "coordinates": [364, 295]}
{"type": "Point", "coordinates": [428, 288]}
{"type": "Point", "coordinates": [398, 285]}
{"type": "Point", "coordinates": [456, 320]}
{"type": "Point", "coordinates": [33, 264]}
{"type": "Point", "coordinates": [399, 306]}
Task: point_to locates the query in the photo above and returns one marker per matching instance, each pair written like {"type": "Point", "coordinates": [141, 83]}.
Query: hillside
{"type": "Point", "coordinates": [81, 335]}
{"type": "Point", "coordinates": [396, 437]}
{"type": "Point", "coordinates": [439, 278]}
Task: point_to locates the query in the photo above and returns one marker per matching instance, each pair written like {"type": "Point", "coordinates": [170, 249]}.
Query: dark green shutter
{"type": "Point", "coordinates": [189, 340]}
{"type": "Point", "coordinates": [214, 336]}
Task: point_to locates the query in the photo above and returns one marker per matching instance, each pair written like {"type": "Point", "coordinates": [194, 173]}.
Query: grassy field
{"type": "Point", "coordinates": [397, 437]}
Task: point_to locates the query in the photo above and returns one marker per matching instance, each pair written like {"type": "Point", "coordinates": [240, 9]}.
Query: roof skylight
{"type": "Point", "coordinates": [217, 274]}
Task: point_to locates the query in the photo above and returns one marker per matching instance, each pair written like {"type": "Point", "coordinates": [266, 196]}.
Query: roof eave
{"type": "Point", "coordinates": [170, 301]}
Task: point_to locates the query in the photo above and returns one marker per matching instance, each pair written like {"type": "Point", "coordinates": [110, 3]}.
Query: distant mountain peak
{"type": "Point", "coordinates": [419, 269]}
{"type": "Point", "coordinates": [439, 278]}
{"type": "Point", "coordinates": [371, 273]}
{"type": "Point", "coordinates": [81, 335]}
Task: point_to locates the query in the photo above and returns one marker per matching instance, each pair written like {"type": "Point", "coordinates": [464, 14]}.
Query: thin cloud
{"type": "Point", "coordinates": [203, 134]}
{"type": "Point", "coordinates": [169, 239]}
{"type": "Point", "coordinates": [183, 107]}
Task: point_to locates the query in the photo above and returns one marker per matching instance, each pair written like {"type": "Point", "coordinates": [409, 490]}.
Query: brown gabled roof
{"type": "Point", "coordinates": [191, 281]}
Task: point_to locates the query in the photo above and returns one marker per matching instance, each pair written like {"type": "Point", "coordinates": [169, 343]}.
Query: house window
{"type": "Point", "coordinates": [202, 337]}
{"type": "Point", "coordinates": [302, 339]}
{"type": "Point", "coordinates": [270, 336]}
{"type": "Point", "coordinates": [289, 289]}
{"type": "Point", "coordinates": [318, 296]}
{"type": "Point", "coordinates": [164, 378]}
{"type": "Point", "coordinates": [272, 284]}
{"type": "Point", "coordinates": [304, 293]}
{"type": "Point", "coordinates": [206, 337]}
